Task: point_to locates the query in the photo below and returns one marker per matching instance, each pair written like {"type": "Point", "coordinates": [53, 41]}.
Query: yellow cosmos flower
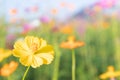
{"type": "Point", "coordinates": [110, 73]}
{"type": "Point", "coordinates": [33, 51]}
{"type": "Point", "coordinates": [4, 54]}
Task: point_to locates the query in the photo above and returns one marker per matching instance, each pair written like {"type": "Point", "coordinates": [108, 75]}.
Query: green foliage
{"type": "Point", "coordinates": [102, 48]}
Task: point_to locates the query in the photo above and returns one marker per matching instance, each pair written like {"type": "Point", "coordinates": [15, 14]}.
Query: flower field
{"type": "Point", "coordinates": [84, 47]}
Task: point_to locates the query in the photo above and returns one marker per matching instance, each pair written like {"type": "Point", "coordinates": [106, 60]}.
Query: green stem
{"type": "Point", "coordinates": [26, 73]}
{"type": "Point", "coordinates": [73, 64]}
{"type": "Point", "coordinates": [56, 64]}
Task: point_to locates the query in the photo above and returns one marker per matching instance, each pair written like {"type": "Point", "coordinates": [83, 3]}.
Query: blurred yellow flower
{"type": "Point", "coordinates": [33, 51]}
{"type": "Point", "coordinates": [8, 69]}
{"type": "Point", "coordinates": [67, 29]}
{"type": "Point", "coordinates": [105, 24]}
{"type": "Point", "coordinates": [52, 23]}
{"type": "Point", "coordinates": [4, 54]}
{"type": "Point", "coordinates": [110, 73]}
{"type": "Point", "coordinates": [71, 43]}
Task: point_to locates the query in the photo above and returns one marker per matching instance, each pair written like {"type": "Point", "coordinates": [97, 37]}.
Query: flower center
{"type": "Point", "coordinates": [34, 47]}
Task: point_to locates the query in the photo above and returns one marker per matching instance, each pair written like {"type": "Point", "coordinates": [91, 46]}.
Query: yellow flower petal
{"type": "Point", "coordinates": [43, 43]}
{"type": "Point", "coordinates": [46, 49]}
{"type": "Point", "coordinates": [32, 42]}
{"type": "Point", "coordinates": [26, 60]}
{"type": "Point", "coordinates": [47, 57]}
{"type": "Point", "coordinates": [4, 53]}
{"type": "Point", "coordinates": [104, 76]}
{"type": "Point", "coordinates": [110, 73]}
{"type": "Point", "coordinates": [21, 49]}
{"type": "Point", "coordinates": [36, 62]}
{"type": "Point", "coordinates": [21, 45]}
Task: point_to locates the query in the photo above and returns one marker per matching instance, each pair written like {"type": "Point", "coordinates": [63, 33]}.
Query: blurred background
{"type": "Point", "coordinates": [95, 22]}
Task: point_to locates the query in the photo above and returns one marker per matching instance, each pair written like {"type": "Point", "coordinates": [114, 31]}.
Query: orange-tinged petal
{"type": "Point", "coordinates": [79, 44]}
{"type": "Point", "coordinates": [13, 64]}
{"type": "Point", "coordinates": [13, 11]}
{"type": "Point", "coordinates": [66, 45]}
{"type": "Point", "coordinates": [5, 70]}
{"type": "Point", "coordinates": [71, 45]}
{"type": "Point", "coordinates": [8, 69]}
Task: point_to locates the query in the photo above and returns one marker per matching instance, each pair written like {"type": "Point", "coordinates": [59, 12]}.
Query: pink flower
{"type": "Point", "coordinates": [44, 19]}
{"type": "Point", "coordinates": [26, 28]}
{"type": "Point", "coordinates": [107, 3]}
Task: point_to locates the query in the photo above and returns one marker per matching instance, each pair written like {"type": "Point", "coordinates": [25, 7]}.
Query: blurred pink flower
{"type": "Point", "coordinates": [26, 28]}
{"type": "Point", "coordinates": [30, 26]}
{"type": "Point", "coordinates": [34, 8]}
{"type": "Point", "coordinates": [107, 3]}
{"type": "Point", "coordinates": [45, 19]}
